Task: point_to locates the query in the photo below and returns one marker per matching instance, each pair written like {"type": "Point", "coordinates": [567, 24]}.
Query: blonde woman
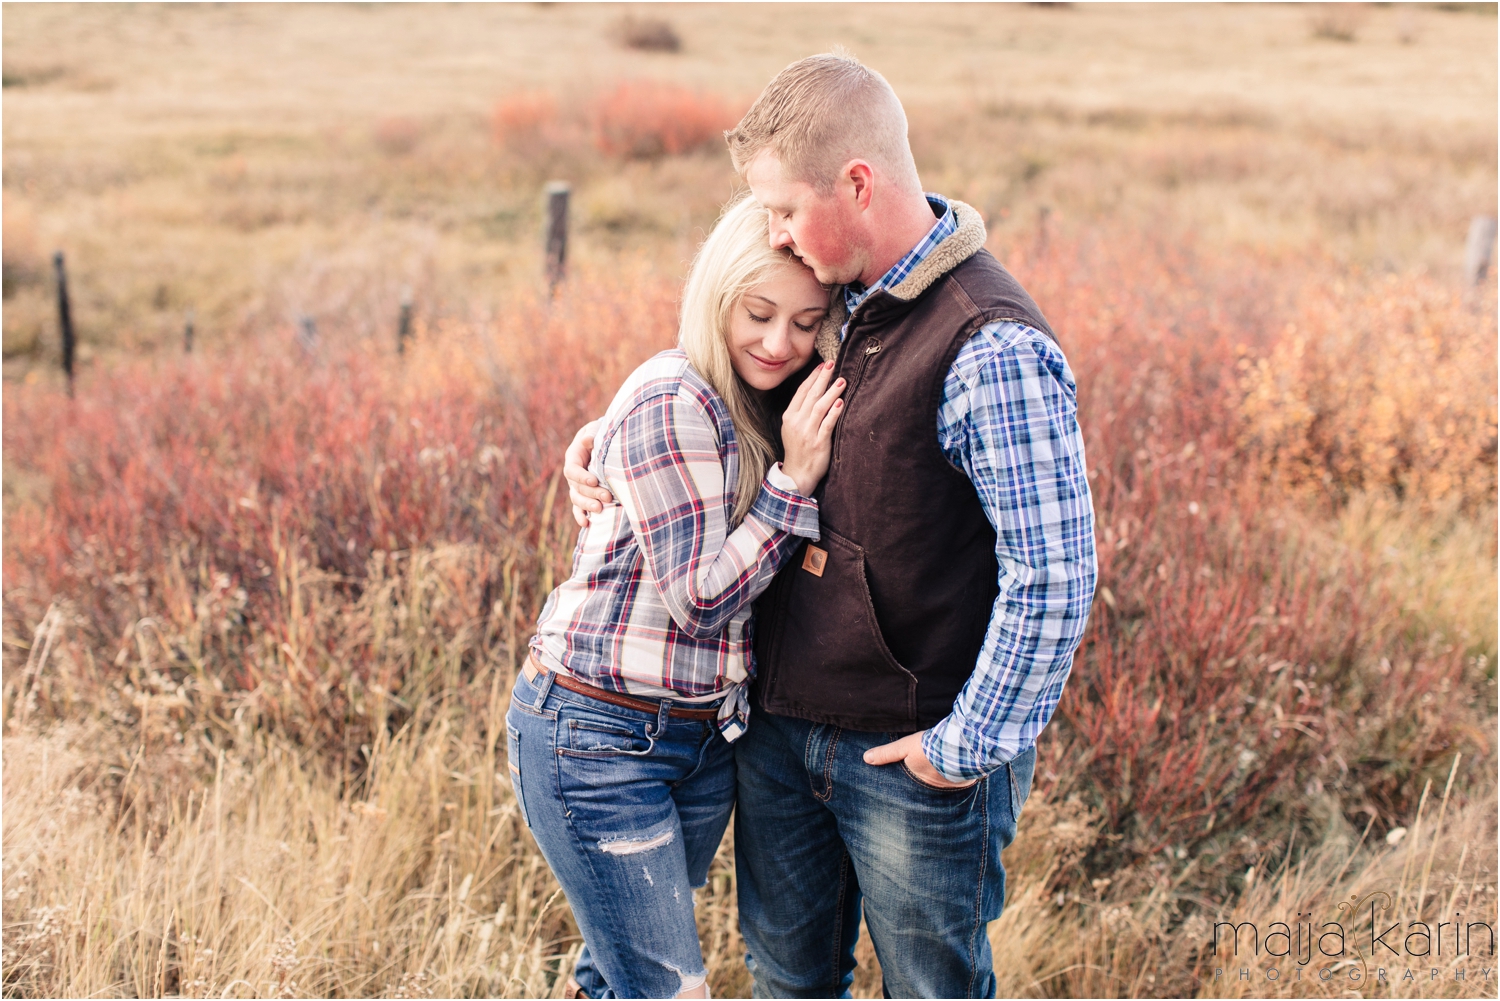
{"type": "Point", "coordinates": [620, 725]}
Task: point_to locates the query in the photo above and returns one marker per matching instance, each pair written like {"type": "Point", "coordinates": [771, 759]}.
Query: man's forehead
{"type": "Point", "coordinates": [767, 183]}
{"type": "Point", "coordinates": [763, 183]}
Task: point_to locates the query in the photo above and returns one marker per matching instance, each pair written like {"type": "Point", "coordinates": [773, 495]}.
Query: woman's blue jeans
{"type": "Point", "coordinates": [628, 807]}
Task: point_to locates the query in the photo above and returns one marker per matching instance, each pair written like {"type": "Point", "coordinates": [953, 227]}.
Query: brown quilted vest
{"type": "Point", "coordinates": [878, 625]}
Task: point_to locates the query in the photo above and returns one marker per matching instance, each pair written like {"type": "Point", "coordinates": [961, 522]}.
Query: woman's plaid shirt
{"type": "Point", "coordinates": [658, 602]}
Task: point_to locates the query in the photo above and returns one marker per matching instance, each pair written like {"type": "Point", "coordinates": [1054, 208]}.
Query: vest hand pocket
{"type": "Point", "coordinates": [833, 612]}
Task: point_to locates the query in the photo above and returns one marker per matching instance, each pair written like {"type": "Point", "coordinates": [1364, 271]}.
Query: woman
{"type": "Point", "coordinates": [620, 722]}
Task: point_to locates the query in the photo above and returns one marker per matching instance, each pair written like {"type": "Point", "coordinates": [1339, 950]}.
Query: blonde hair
{"type": "Point", "coordinates": [736, 257]}
{"type": "Point", "coordinates": [821, 112]}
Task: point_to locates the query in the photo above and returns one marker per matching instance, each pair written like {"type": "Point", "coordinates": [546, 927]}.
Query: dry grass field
{"type": "Point", "coordinates": [262, 603]}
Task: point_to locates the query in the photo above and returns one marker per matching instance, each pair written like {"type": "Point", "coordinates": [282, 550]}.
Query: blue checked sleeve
{"type": "Point", "coordinates": [665, 467]}
{"type": "Point", "coordinates": [1008, 419]}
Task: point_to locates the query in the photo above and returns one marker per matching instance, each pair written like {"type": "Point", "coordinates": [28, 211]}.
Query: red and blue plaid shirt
{"type": "Point", "coordinates": [658, 602]}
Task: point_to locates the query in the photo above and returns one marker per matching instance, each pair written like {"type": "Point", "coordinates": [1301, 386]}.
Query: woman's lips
{"type": "Point", "coordinates": [773, 366]}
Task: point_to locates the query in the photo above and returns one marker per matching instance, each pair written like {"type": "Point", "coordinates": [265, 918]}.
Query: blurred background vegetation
{"type": "Point", "coordinates": [254, 163]}
{"type": "Point", "coordinates": [262, 602]}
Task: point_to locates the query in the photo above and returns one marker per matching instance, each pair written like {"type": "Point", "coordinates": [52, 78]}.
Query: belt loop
{"type": "Point", "coordinates": [662, 712]}
{"type": "Point", "coordinates": [544, 685]}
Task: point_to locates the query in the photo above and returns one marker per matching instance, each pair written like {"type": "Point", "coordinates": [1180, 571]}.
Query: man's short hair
{"type": "Point", "coordinates": [818, 114]}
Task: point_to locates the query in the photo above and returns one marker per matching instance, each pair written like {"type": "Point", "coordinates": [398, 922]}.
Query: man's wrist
{"type": "Point", "coordinates": [940, 746]}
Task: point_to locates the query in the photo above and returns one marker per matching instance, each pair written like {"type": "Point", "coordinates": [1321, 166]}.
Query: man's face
{"type": "Point", "coordinates": [820, 228]}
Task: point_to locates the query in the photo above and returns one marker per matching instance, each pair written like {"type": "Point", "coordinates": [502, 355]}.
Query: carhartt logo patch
{"type": "Point", "coordinates": [815, 560]}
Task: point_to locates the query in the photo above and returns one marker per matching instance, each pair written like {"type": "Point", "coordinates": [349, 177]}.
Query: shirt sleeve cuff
{"type": "Point", "coordinates": [781, 507]}
{"type": "Point", "coordinates": [948, 751]}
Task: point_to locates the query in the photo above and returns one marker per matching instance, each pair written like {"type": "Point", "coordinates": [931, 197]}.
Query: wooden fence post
{"type": "Point", "coordinates": [557, 233]}
{"type": "Point", "coordinates": [307, 334]}
{"type": "Point", "coordinates": [64, 318]}
{"type": "Point", "coordinates": [403, 322]}
{"type": "Point", "coordinates": [187, 334]}
{"type": "Point", "coordinates": [1477, 253]}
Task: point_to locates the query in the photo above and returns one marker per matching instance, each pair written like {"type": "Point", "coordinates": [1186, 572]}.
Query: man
{"type": "Point", "coordinates": [908, 661]}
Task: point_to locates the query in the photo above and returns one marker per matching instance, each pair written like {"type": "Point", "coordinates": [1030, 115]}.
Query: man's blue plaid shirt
{"type": "Point", "coordinates": [1009, 419]}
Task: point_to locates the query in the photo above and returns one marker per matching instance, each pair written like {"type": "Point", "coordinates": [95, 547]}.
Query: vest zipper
{"type": "Point", "coordinates": [872, 347]}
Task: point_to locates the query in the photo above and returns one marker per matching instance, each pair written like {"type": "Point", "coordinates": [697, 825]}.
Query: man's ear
{"type": "Point", "coordinates": [861, 179]}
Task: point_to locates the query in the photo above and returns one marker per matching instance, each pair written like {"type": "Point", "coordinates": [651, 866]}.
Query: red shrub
{"type": "Point", "coordinates": [643, 118]}
{"type": "Point", "coordinates": [1224, 671]}
{"type": "Point", "coordinates": [523, 116]}
{"type": "Point", "coordinates": [167, 477]}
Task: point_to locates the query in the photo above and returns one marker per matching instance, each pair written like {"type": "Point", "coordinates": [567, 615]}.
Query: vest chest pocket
{"type": "Point", "coordinates": [831, 634]}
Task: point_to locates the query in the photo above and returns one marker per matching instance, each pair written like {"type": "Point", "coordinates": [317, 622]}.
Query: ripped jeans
{"type": "Point", "coordinates": [629, 814]}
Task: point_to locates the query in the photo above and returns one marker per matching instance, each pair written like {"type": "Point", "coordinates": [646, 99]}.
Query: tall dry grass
{"type": "Point", "coordinates": [276, 879]}
{"type": "Point", "coordinates": [1144, 947]}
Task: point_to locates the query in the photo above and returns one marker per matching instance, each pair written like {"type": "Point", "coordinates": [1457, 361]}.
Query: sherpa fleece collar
{"type": "Point", "coordinates": [963, 244]}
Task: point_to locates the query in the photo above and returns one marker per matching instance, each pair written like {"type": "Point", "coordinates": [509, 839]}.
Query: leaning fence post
{"type": "Point", "coordinates": [403, 323]}
{"type": "Point", "coordinates": [64, 317]}
{"type": "Point", "coordinates": [307, 334]}
{"type": "Point", "coordinates": [1477, 253]}
{"type": "Point", "coordinates": [557, 233]}
{"type": "Point", "coordinates": [187, 334]}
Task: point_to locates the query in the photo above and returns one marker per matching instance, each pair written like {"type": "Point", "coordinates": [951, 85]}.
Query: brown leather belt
{"type": "Point", "coordinates": [532, 668]}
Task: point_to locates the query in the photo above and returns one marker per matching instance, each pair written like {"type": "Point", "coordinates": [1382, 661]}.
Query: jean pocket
{"type": "Point", "coordinates": [513, 762]}
{"type": "Point", "coordinates": [593, 737]}
{"type": "Point", "coordinates": [939, 790]}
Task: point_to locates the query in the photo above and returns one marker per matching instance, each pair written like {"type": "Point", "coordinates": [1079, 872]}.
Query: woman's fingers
{"type": "Point", "coordinates": [801, 392]}
{"type": "Point", "coordinates": [833, 393]}
{"type": "Point", "coordinates": [825, 429]}
{"type": "Point", "coordinates": [821, 405]}
{"type": "Point", "coordinates": [811, 387]}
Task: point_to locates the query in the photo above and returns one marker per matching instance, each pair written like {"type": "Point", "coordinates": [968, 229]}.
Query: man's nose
{"type": "Point", "coordinates": [780, 237]}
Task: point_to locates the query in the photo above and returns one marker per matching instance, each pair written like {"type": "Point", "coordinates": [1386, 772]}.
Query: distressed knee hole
{"type": "Point", "coordinates": [628, 846]}
{"type": "Point", "coordinates": [695, 986]}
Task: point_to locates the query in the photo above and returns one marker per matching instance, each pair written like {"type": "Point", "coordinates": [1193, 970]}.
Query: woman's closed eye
{"type": "Point", "coordinates": [806, 328]}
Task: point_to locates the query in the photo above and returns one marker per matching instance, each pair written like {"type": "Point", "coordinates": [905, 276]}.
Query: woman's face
{"type": "Point", "coordinates": [773, 326]}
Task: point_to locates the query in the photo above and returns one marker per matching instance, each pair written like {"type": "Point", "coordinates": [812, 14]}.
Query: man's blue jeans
{"type": "Point", "coordinates": [629, 808]}
{"type": "Point", "coordinates": [818, 832]}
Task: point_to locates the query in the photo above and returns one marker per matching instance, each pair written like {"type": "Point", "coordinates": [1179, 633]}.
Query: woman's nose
{"type": "Point", "coordinates": [777, 343]}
